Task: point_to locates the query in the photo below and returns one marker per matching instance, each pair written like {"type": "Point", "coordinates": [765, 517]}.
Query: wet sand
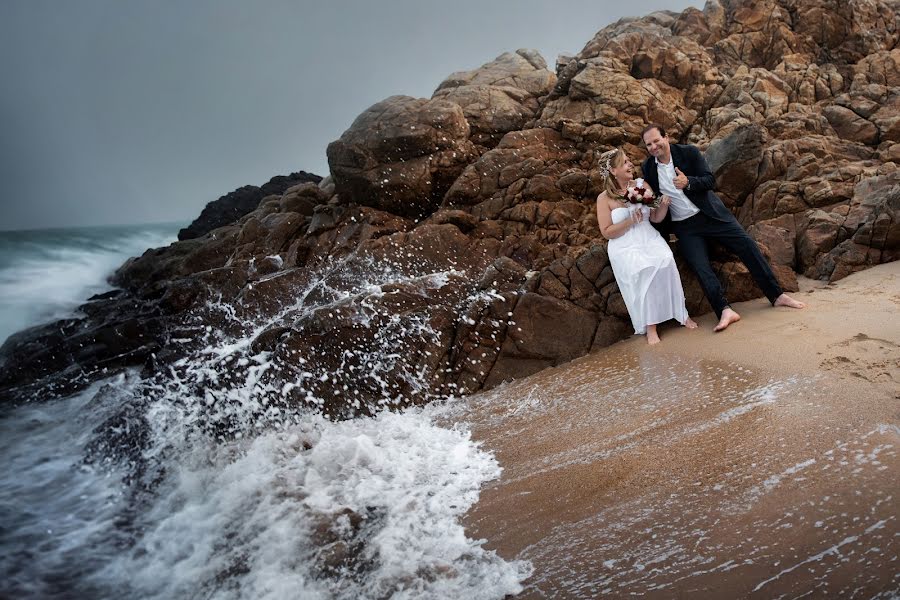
{"type": "Point", "coordinates": [760, 462]}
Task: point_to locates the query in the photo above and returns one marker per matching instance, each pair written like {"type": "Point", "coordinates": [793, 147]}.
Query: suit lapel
{"type": "Point", "coordinates": [652, 175]}
{"type": "Point", "coordinates": [687, 165]}
{"type": "Point", "coordinates": [676, 157]}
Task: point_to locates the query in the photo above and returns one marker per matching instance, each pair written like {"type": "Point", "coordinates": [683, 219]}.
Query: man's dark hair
{"type": "Point", "coordinates": [651, 126]}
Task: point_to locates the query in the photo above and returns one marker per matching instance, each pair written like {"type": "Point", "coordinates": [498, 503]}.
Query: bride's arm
{"type": "Point", "coordinates": [608, 229]}
{"type": "Point", "coordinates": [659, 213]}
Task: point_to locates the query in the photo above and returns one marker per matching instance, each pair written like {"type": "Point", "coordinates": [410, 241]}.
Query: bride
{"type": "Point", "coordinates": [641, 260]}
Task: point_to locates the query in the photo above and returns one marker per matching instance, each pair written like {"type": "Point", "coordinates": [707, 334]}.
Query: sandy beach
{"type": "Point", "coordinates": [759, 462]}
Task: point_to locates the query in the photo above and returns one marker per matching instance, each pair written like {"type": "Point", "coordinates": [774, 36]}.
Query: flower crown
{"type": "Point", "coordinates": [605, 165]}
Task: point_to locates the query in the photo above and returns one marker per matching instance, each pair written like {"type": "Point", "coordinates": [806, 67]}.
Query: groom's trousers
{"type": "Point", "coordinates": [693, 235]}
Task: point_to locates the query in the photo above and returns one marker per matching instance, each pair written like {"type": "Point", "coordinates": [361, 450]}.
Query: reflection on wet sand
{"type": "Point", "coordinates": [635, 472]}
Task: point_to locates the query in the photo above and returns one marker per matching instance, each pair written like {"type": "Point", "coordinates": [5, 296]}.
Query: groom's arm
{"type": "Point", "coordinates": [702, 179]}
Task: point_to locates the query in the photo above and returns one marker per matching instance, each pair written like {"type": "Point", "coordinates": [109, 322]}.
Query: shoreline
{"type": "Point", "coordinates": [839, 318]}
{"type": "Point", "coordinates": [708, 449]}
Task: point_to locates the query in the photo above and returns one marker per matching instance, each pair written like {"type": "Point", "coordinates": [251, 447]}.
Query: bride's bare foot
{"type": "Point", "coordinates": [690, 323]}
{"type": "Point", "coordinates": [728, 317]}
{"type": "Point", "coordinates": [652, 336]}
{"type": "Point", "coordinates": [785, 300]}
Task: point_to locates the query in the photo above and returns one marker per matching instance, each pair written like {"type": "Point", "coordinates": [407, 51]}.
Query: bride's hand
{"type": "Point", "coordinates": [637, 216]}
{"type": "Point", "coordinates": [664, 201]}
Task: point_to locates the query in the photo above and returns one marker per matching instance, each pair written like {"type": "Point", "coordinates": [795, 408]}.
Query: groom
{"type": "Point", "coordinates": [696, 215]}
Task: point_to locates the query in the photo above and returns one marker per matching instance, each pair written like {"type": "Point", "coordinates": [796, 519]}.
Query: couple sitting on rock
{"type": "Point", "coordinates": [678, 191]}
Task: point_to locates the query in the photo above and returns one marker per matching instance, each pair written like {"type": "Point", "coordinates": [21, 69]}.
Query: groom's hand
{"type": "Point", "coordinates": [680, 180]}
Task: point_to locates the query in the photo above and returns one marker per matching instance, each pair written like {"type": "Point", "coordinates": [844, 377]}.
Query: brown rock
{"type": "Point", "coordinates": [599, 96]}
{"type": "Point", "coordinates": [610, 330]}
{"type": "Point", "coordinates": [818, 236]}
{"type": "Point", "coordinates": [546, 332]}
{"type": "Point", "coordinates": [231, 207]}
{"type": "Point", "coordinates": [846, 258]}
{"type": "Point", "coordinates": [302, 199]}
{"type": "Point", "coordinates": [401, 155]}
{"type": "Point", "coordinates": [851, 126]}
{"type": "Point", "coordinates": [519, 157]}
{"type": "Point", "coordinates": [735, 159]}
{"type": "Point", "coordinates": [501, 95]}
{"type": "Point", "coordinates": [503, 273]}
{"type": "Point", "coordinates": [887, 119]}
{"type": "Point", "coordinates": [777, 235]}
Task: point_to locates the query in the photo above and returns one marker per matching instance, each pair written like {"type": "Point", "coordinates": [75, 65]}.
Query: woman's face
{"type": "Point", "coordinates": [623, 171]}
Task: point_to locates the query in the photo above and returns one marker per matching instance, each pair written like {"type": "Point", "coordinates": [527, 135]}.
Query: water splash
{"type": "Point", "coordinates": [233, 483]}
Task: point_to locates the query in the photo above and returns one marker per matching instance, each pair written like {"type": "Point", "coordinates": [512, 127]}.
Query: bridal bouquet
{"type": "Point", "coordinates": [640, 193]}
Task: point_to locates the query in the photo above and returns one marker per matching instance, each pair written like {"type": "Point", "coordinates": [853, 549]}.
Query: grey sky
{"type": "Point", "coordinates": [143, 111]}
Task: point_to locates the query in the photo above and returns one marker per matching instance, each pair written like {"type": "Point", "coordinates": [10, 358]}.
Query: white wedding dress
{"type": "Point", "coordinates": [646, 273]}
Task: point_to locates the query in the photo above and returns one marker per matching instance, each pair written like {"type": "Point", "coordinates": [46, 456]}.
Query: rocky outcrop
{"type": "Point", "coordinates": [455, 244]}
{"type": "Point", "coordinates": [234, 205]}
{"type": "Point", "coordinates": [501, 96]}
{"type": "Point", "coordinates": [401, 155]}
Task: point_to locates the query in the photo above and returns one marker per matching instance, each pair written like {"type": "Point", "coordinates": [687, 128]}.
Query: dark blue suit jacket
{"type": "Point", "coordinates": [702, 183]}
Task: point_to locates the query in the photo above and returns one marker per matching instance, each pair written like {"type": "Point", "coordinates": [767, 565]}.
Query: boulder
{"type": "Point", "coordinates": [849, 125]}
{"type": "Point", "coordinates": [546, 332]}
{"type": "Point", "coordinates": [777, 235]}
{"type": "Point", "coordinates": [401, 155]}
{"type": "Point", "coordinates": [500, 96]}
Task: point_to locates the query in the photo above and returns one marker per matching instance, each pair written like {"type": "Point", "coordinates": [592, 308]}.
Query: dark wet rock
{"type": "Point", "coordinates": [67, 355]}
{"type": "Point", "coordinates": [234, 205]}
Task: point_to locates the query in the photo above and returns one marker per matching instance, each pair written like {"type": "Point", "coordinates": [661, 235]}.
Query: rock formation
{"type": "Point", "coordinates": [457, 234]}
{"type": "Point", "coordinates": [232, 206]}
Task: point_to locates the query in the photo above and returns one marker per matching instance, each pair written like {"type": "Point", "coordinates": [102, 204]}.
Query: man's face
{"type": "Point", "coordinates": [657, 145]}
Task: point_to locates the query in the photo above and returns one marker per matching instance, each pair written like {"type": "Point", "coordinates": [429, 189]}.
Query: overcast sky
{"type": "Point", "coordinates": [143, 111]}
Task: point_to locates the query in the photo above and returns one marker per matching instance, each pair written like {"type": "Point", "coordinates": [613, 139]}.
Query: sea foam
{"type": "Point", "coordinates": [201, 481]}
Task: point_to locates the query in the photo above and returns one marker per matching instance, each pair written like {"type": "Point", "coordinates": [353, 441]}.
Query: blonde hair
{"type": "Point", "coordinates": [610, 160]}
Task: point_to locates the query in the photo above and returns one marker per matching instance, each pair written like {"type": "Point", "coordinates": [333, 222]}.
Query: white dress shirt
{"type": "Point", "coordinates": [680, 207]}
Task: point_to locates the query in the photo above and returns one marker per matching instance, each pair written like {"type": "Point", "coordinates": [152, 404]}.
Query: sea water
{"type": "Point", "coordinates": [45, 274]}
{"type": "Point", "coordinates": [303, 507]}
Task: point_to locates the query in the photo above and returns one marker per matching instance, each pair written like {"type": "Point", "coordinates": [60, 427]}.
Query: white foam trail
{"type": "Point", "coordinates": [835, 549]}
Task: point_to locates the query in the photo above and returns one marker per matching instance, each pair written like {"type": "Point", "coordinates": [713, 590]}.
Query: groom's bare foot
{"type": "Point", "coordinates": [690, 324]}
{"type": "Point", "coordinates": [652, 336]}
{"type": "Point", "coordinates": [728, 317]}
{"type": "Point", "coordinates": [785, 300]}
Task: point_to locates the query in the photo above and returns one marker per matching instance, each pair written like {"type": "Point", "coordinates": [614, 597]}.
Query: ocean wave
{"type": "Point", "coordinates": [204, 479]}
{"type": "Point", "coordinates": [45, 275]}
